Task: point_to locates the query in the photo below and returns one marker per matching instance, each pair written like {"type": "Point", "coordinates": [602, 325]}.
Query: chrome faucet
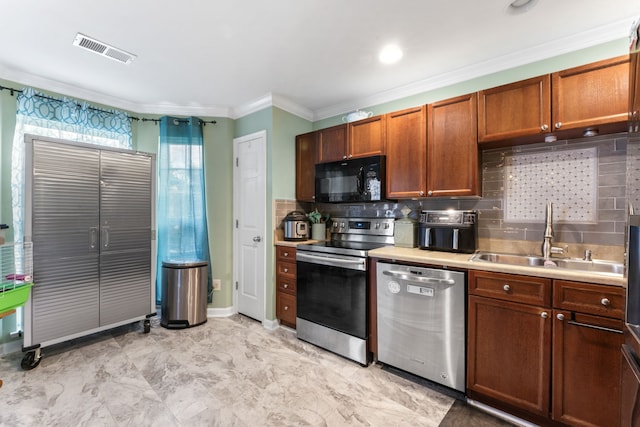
{"type": "Point", "coordinates": [547, 246]}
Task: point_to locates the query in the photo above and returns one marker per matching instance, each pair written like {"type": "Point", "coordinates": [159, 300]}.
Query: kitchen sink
{"type": "Point", "coordinates": [594, 266]}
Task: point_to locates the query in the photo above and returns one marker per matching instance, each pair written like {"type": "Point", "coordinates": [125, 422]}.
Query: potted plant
{"type": "Point", "coordinates": [318, 224]}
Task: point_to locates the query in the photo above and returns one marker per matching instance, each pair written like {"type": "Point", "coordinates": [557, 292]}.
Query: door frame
{"type": "Point", "coordinates": [261, 135]}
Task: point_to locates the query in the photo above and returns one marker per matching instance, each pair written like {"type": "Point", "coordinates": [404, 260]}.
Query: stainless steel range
{"type": "Point", "coordinates": [333, 289]}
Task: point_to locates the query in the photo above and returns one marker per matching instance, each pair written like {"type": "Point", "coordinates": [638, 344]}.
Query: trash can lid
{"type": "Point", "coordinates": [184, 264]}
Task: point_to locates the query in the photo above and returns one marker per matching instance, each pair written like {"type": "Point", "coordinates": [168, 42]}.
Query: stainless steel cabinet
{"type": "Point", "coordinates": [89, 213]}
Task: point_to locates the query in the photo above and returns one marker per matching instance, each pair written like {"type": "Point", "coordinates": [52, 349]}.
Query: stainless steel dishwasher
{"type": "Point", "coordinates": [421, 322]}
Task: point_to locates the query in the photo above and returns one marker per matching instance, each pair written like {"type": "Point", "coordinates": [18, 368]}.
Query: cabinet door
{"type": "Point", "coordinates": [586, 369]}
{"type": "Point", "coordinates": [65, 220]}
{"type": "Point", "coordinates": [367, 137]}
{"type": "Point", "coordinates": [591, 95]}
{"type": "Point", "coordinates": [407, 153]}
{"type": "Point", "coordinates": [509, 353]}
{"type": "Point", "coordinates": [126, 198]}
{"type": "Point", "coordinates": [518, 109]}
{"type": "Point", "coordinates": [306, 156]}
{"type": "Point", "coordinates": [286, 309]}
{"type": "Point", "coordinates": [332, 144]}
{"type": "Point", "coordinates": [452, 148]}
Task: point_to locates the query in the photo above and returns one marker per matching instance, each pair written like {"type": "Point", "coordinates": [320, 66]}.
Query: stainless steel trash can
{"type": "Point", "coordinates": [184, 294]}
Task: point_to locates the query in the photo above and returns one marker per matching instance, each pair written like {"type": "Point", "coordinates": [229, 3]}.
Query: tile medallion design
{"type": "Point", "coordinates": [567, 178]}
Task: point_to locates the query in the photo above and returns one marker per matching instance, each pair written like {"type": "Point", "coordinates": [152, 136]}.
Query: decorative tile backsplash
{"type": "Point", "coordinates": [567, 178]}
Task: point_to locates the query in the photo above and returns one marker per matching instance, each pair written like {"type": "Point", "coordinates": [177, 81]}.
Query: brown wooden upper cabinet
{"type": "Point", "coordinates": [452, 148]}
{"type": "Point", "coordinates": [567, 103]}
{"type": "Point", "coordinates": [592, 95]}
{"type": "Point", "coordinates": [407, 153]}
{"type": "Point", "coordinates": [306, 158]}
{"type": "Point", "coordinates": [515, 110]}
{"type": "Point", "coordinates": [332, 143]}
{"type": "Point", "coordinates": [367, 137]}
{"type": "Point", "coordinates": [361, 138]}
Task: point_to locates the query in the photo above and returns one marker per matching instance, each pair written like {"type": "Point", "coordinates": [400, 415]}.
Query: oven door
{"type": "Point", "coordinates": [332, 292]}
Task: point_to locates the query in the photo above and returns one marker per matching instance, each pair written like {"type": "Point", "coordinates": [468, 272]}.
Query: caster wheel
{"type": "Point", "coordinates": [31, 360]}
{"type": "Point", "coordinates": [147, 326]}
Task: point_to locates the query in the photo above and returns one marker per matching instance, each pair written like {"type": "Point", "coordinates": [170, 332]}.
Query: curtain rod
{"type": "Point", "coordinates": [12, 92]}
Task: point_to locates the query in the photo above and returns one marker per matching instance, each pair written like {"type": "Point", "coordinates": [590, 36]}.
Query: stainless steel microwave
{"type": "Point", "coordinates": [354, 180]}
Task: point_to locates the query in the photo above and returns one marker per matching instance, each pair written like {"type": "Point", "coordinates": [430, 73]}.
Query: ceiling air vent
{"type": "Point", "coordinates": [103, 49]}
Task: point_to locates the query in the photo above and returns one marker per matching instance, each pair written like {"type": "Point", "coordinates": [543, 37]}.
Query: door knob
{"type": "Point", "coordinates": [257, 239]}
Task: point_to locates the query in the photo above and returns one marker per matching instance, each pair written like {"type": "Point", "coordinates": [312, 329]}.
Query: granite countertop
{"type": "Point", "coordinates": [449, 259]}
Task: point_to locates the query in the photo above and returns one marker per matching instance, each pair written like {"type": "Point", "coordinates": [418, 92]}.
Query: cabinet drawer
{"type": "Point", "coordinates": [601, 300]}
{"type": "Point", "coordinates": [285, 253]}
{"type": "Point", "coordinates": [510, 287]}
{"type": "Point", "coordinates": [286, 284]}
{"type": "Point", "coordinates": [286, 308]}
{"type": "Point", "coordinates": [286, 269]}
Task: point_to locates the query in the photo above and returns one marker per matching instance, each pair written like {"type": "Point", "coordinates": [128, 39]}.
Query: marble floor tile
{"type": "Point", "coordinates": [226, 372]}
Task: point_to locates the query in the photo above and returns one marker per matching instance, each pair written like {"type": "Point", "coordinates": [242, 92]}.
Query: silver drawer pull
{"type": "Point", "coordinates": [544, 315]}
{"type": "Point", "coordinates": [605, 302]}
{"type": "Point", "coordinates": [506, 287]}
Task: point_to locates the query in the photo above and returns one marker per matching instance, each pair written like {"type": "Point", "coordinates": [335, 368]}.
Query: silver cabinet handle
{"type": "Point", "coordinates": [544, 127]}
{"type": "Point", "coordinates": [285, 286]}
{"type": "Point", "coordinates": [544, 315]}
{"type": "Point", "coordinates": [605, 302]}
{"type": "Point", "coordinates": [421, 193]}
{"type": "Point", "coordinates": [257, 239]}
{"type": "Point", "coordinates": [286, 270]}
{"type": "Point", "coordinates": [560, 316]}
{"type": "Point", "coordinates": [105, 237]}
{"type": "Point", "coordinates": [286, 254]}
{"type": "Point", "coordinates": [506, 287]}
{"type": "Point", "coordinates": [286, 307]}
{"type": "Point", "coordinates": [93, 237]}
{"type": "Point", "coordinates": [558, 125]}
{"type": "Point", "coordinates": [430, 193]}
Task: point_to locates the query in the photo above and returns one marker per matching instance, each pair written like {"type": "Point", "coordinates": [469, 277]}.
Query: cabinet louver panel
{"type": "Point", "coordinates": [125, 285]}
{"type": "Point", "coordinates": [65, 211]}
{"type": "Point", "coordinates": [125, 218]}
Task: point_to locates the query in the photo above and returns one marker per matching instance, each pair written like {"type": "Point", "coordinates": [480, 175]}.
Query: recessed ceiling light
{"type": "Point", "coordinates": [390, 54]}
{"type": "Point", "coordinates": [520, 6]}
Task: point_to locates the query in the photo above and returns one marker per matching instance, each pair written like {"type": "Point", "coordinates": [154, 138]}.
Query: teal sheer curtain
{"type": "Point", "coordinates": [181, 216]}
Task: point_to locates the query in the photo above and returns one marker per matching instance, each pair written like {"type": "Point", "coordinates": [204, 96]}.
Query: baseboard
{"type": "Point", "coordinates": [221, 312]}
{"type": "Point", "coordinates": [11, 347]}
{"type": "Point", "coordinates": [270, 325]}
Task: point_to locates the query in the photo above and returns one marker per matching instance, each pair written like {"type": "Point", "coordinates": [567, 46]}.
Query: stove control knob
{"type": "Point", "coordinates": [377, 225]}
{"type": "Point", "coordinates": [342, 225]}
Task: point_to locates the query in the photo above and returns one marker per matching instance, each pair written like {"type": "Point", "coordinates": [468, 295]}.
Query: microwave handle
{"type": "Point", "coordinates": [361, 180]}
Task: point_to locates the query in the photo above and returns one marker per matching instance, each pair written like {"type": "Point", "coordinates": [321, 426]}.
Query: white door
{"type": "Point", "coordinates": [250, 213]}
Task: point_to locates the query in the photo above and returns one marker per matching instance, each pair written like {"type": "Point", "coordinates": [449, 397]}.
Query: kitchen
{"type": "Point", "coordinates": [284, 126]}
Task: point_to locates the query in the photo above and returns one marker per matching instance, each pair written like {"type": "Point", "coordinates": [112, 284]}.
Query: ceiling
{"type": "Point", "coordinates": [317, 57]}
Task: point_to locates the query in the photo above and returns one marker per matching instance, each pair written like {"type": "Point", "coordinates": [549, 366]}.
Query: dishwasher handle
{"type": "Point", "coordinates": [417, 279]}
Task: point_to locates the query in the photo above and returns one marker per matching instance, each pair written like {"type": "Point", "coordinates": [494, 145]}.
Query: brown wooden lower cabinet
{"type": "Point", "coordinates": [509, 351]}
{"type": "Point", "coordinates": [286, 285]}
{"type": "Point", "coordinates": [586, 369]}
{"type": "Point", "coordinates": [550, 365]}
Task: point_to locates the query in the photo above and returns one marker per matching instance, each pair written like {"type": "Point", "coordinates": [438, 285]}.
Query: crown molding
{"type": "Point", "coordinates": [272, 100]}
{"type": "Point", "coordinates": [64, 89]}
{"type": "Point", "coordinates": [593, 37]}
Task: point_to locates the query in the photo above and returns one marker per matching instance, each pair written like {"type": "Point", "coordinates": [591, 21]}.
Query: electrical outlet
{"type": "Point", "coordinates": [217, 284]}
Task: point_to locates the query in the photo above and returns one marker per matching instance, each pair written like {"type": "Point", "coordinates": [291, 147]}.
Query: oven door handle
{"type": "Point", "coordinates": [306, 257]}
{"type": "Point", "coordinates": [417, 279]}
